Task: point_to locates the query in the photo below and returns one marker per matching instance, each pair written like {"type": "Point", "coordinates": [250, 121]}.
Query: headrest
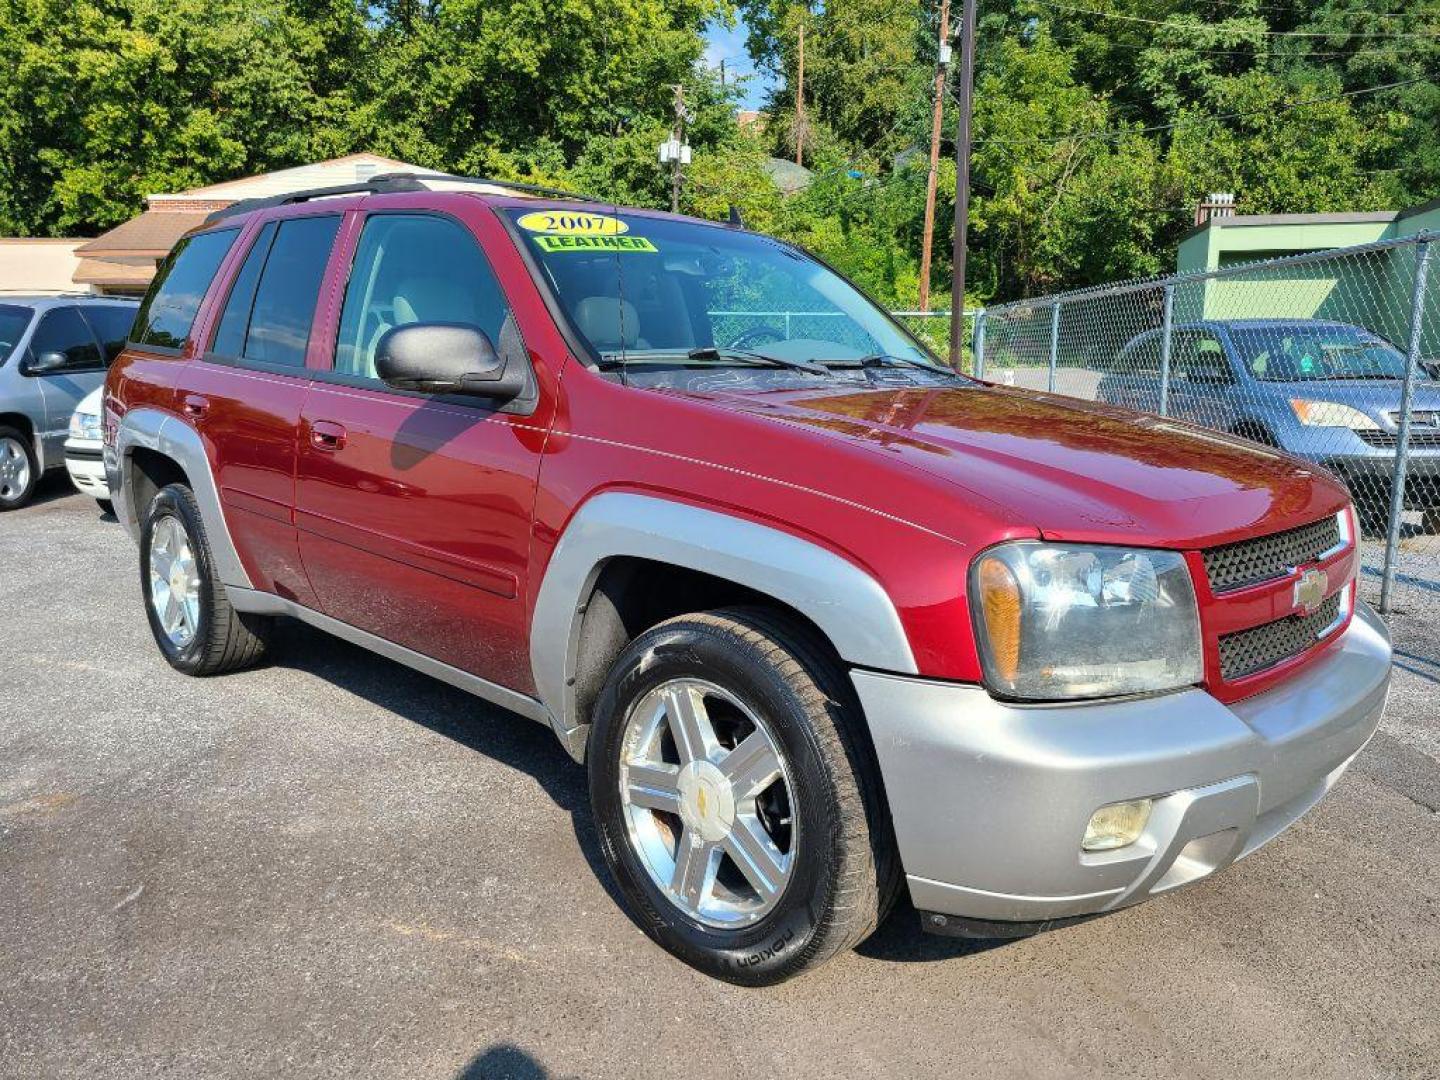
{"type": "Point", "coordinates": [608, 321]}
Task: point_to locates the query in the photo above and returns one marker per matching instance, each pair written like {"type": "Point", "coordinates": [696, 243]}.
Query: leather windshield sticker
{"type": "Point", "coordinates": [549, 243]}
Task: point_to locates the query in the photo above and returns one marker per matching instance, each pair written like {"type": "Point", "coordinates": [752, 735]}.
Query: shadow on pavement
{"type": "Point", "coordinates": [503, 1061]}
{"type": "Point", "coordinates": [532, 748]}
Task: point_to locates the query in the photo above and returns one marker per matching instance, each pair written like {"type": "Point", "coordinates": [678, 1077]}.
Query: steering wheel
{"type": "Point", "coordinates": [757, 335]}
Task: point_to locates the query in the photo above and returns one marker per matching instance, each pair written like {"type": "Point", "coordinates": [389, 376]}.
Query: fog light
{"type": "Point", "coordinates": [1116, 825]}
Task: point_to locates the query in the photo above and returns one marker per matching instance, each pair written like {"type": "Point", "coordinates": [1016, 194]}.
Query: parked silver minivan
{"type": "Point", "coordinates": [53, 351]}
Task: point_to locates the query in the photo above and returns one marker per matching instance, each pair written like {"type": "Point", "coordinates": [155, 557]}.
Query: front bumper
{"type": "Point", "coordinates": [86, 466]}
{"type": "Point", "coordinates": [990, 799]}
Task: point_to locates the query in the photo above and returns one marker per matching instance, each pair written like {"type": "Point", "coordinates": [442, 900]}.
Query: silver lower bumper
{"type": "Point", "coordinates": [990, 800]}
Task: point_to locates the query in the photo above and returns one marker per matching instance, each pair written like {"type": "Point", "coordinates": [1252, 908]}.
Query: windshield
{"type": "Point", "coordinates": [1313, 353]}
{"type": "Point", "coordinates": [13, 321]}
{"type": "Point", "coordinates": [647, 291]}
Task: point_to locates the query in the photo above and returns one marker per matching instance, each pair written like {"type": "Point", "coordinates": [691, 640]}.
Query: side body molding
{"type": "Point", "coordinates": [845, 602]}
{"type": "Point", "coordinates": [178, 441]}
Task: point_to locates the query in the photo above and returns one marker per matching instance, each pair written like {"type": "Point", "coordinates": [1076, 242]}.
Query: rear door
{"type": "Point", "coordinates": [244, 395]}
{"type": "Point", "coordinates": [414, 510]}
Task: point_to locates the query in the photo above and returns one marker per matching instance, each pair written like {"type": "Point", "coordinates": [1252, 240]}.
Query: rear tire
{"type": "Point", "coordinates": [190, 616]}
{"type": "Point", "coordinates": [19, 471]}
{"type": "Point", "coordinates": [825, 870]}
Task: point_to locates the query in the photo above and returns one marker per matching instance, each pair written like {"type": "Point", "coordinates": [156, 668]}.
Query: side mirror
{"type": "Point", "coordinates": [445, 358]}
{"type": "Point", "coordinates": [46, 361]}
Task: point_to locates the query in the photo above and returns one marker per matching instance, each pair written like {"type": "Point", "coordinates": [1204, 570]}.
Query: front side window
{"type": "Point", "coordinates": [1310, 353]}
{"type": "Point", "coordinates": [643, 290]}
{"type": "Point", "coordinates": [169, 308]}
{"type": "Point", "coordinates": [13, 322]}
{"type": "Point", "coordinates": [63, 331]}
{"type": "Point", "coordinates": [1201, 356]}
{"type": "Point", "coordinates": [413, 268]}
{"type": "Point", "coordinates": [287, 292]}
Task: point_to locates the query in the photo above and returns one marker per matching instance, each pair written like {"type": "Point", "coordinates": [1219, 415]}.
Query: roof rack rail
{"type": "Point", "coordinates": [512, 185]}
{"type": "Point", "coordinates": [376, 185]}
{"type": "Point", "coordinates": [387, 183]}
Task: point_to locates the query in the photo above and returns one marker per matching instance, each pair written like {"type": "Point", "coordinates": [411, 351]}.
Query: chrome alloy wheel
{"type": "Point", "coordinates": [708, 802]}
{"type": "Point", "coordinates": [174, 581]}
{"type": "Point", "coordinates": [14, 469]}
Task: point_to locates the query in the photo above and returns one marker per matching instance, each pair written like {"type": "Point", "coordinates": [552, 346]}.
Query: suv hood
{"type": "Point", "coordinates": [1072, 470]}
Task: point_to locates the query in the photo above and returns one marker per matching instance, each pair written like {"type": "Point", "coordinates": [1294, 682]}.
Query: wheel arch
{"type": "Point", "coordinates": [626, 561]}
{"type": "Point", "coordinates": [21, 422]}
{"type": "Point", "coordinates": [153, 449]}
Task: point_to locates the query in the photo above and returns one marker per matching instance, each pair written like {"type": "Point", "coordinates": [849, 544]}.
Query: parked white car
{"type": "Point", "coordinates": [83, 449]}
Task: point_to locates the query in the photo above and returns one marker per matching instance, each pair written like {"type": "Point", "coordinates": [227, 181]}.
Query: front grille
{"type": "Point", "coordinates": [1249, 562]}
{"type": "Point", "coordinates": [1246, 652]}
{"type": "Point", "coordinates": [1388, 440]}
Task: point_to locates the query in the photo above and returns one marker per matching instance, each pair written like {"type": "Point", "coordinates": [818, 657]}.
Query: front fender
{"type": "Point", "coordinates": [848, 605]}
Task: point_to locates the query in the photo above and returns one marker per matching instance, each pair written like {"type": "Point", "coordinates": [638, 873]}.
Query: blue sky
{"type": "Point", "coordinates": [729, 45]}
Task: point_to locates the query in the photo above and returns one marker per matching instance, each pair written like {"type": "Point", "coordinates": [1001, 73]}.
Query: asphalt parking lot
{"type": "Point", "coordinates": [333, 866]}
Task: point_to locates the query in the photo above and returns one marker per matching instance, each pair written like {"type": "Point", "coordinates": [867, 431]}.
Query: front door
{"type": "Point", "coordinates": [63, 330]}
{"type": "Point", "coordinates": [414, 510]}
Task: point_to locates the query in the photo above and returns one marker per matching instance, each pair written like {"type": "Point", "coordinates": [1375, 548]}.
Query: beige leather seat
{"type": "Point", "coordinates": [610, 323]}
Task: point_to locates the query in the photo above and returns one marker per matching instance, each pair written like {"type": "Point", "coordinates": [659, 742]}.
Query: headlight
{"type": "Point", "coordinates": [1059, 621]}
{"type": "Point", "coordinates": [1331, 414]}
{"type": "Point", "coordinates": [85, 426]}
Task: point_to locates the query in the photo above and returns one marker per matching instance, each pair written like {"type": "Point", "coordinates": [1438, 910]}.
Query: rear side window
{"type": "Point", "coordinates": [235, 319]}
{"type": "Point", "coordinates": [169, 308]}
{"type": "Point", "coordinates": [13, 322]}
{"type": "Point", "coordinates": [289, 286]}
{"type": "Point", "coordinates": [62, 330]}
{"type": "Point", "coordinates": [112, 326]}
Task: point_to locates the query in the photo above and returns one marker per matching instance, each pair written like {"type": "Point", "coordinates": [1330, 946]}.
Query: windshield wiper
{"type": "Point", "coordinates": [873, 360]}
{"type": "Point", "coordinates": [711, 352]}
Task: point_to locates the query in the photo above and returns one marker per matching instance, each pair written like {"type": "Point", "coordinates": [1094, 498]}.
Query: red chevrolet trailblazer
{"type": "Point", "coordinates": [820, 617]}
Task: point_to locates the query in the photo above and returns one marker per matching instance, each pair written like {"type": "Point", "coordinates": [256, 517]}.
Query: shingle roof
{"type": "Point", "coordinates": [153, 233]}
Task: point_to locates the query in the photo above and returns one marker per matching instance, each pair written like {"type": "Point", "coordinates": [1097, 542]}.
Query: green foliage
{"type": "Point", "coordinates": [1095, 136]}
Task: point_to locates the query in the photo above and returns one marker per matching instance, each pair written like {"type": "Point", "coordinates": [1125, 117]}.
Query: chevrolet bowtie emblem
{"type": "Point", "coordinates": [1310, 591]}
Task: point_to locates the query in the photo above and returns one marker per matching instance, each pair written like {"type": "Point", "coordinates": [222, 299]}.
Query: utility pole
{"type": "Point", "coordinates": [800, 93]}
{"type": "Point", "coordinates": [676, 166]}
{"type": "Point", "coordinates": [962, 180]}
{"type": "Point", "coordinates": [942, 60]}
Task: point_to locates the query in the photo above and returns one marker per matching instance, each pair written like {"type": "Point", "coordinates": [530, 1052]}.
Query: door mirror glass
{"type": "Point", "coordinates": [445, 358]}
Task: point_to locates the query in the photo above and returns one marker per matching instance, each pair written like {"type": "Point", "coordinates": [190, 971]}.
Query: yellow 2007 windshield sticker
{"type": "Point", "coordinates": [594, 243]}
{"type": "Point", "coordinates": [572, 223]}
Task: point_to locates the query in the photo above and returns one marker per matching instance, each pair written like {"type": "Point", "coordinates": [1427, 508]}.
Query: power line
{"type": "Point", "coordinates": [1292, 11]}
{"type": "Point", "coordinates": [1213, 28]}
{"type": "Point", "coordinates": [1284, 107]}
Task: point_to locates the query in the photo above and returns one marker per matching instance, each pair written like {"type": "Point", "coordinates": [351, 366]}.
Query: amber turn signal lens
{"type": "Point", "coordinates": [1000, 607]}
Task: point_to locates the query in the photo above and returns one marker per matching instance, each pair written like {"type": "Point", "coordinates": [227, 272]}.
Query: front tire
{"type": "Point", "coordinates": [19, 471]}
{"type": "Point", "coordinates": [737, 797]}
{"type": "Point", "coordinates": [190, 615]}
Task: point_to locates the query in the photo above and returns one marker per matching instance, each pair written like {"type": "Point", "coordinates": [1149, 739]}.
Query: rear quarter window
{"type": "Point", "coordinates": [168, 310]}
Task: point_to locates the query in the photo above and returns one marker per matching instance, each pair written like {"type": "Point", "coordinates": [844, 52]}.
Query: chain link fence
{"type": "Point", "coordinates": [1332, 356]}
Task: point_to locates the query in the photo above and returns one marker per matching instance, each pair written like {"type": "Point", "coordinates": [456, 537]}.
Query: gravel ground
{"type": "Point", "coordinates": [335, 867]}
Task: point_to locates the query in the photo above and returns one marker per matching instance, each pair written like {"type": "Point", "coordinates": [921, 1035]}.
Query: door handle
{"type": "Point", "coordinates": [327, 435]}
{"type": "Point", "coordinates": [195, 405]}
